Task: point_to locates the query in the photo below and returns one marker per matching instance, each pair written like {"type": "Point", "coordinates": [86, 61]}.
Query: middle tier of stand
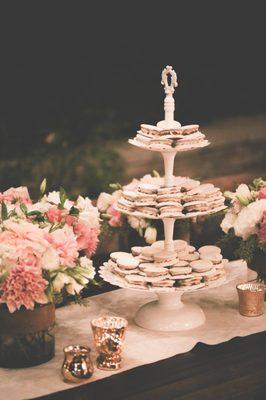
{"type": "Point", "coordinates": [185, 198]}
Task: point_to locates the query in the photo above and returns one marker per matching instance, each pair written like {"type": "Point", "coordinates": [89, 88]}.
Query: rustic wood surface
{"type": "Point", "coordinates": [231, 370]}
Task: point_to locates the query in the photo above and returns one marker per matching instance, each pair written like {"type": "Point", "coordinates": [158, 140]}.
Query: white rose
{"type": "Point", "coordinates": [86, 263]}
{"type": "Point", "coordinates": [248, 219]}
{"type": "Point", "coordinates": [41, 206]}
{"type": "Point", "coordinates": [133, 222]}
{"type": "Point", "coordinates": [50, 259]}
{"type": "Point", "coordinates": [52, 197]}
{"type": "Point", "coordinates": [150, 235]}
{"type": "Point", "coordinates": [73, 287]}
{"type": "Point", "coordinates": [243, 194]}
{"type": "Point", "coordinates": [84, 203]}
{"type": "Point", "coordinates": [90, 218]}
{"type": "Point", "coordinates": [228, 221]}
{"type": "Point", "coordinates": [60, 281]}
{"type": "Point", "coordinates": [104, 201]}
{"type": "Point", "coordinates": [137, 223]}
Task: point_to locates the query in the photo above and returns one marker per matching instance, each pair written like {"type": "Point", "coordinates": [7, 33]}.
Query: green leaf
{"type": "Point", "coordinates": [63, 196]}
{"type": "Point", "coordinates": [43, 186]}
{"type": "Point", "coordinates": [34, 213]}
{"type": "Point", "coordinates": [115, 186]}
{"type": "Point", "coordinates": [4, 212]}
{"type": "Point", "coordinates": [23, 208]}
{"type": "Point", "coordinates": [74, 211]}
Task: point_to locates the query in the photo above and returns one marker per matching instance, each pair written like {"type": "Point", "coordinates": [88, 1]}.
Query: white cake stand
{"type": "Point", "coordinates": [169, 312]}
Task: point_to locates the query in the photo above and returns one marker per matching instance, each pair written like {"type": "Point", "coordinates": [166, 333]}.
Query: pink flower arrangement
{"type": "Point", "coordinates": [113, 219]}
{"type": "Point", "coordinates": [116, 217]}
{"type": "Point", "coordinates": [262, 230]}
{"type": "Point", "coordinates": [20, 194]}
{"type": "Point", "coordinates": [44, 246]}
{"type": "Point", "coordinates": [87, 238]}
{"type": "Point", "coordinates": [262, 193]}
{"type": "Point", "coordinates": [23, 287]}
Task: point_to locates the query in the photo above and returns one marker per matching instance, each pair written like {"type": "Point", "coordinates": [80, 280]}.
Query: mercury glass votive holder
{"type": "Point", "coordinates": [109, 335]}
{"type": "Point", "coordinates": [251, 299]}
{"type": "Point", "coordinates": [77, 365]}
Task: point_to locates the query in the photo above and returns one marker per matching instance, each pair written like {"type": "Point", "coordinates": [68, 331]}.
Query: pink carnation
{"type": "Point", "coordinates": [54, 215]}
{"type": "Point", "coordinates": [262, 229]}
{"type": "Point", "coordinates": [23, 287]}
{"type": "Point", "coordinates": [116, 217]}
{"type": "Point", "coordinates": [65, 243]}
{"type": "Point", "coordinates": [87, 237]}
{"type": "Point", "coordinates": [27, 241]}
{"type": "Point", "coordinates": [262, 193]}
{"type": "Point", "coordinates": [20, 194]}
{"type": "Point", "coordinates": [70, 220]}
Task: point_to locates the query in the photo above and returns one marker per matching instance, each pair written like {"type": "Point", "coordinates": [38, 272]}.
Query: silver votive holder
{"type": "Point", "coordinates": [251, 299]}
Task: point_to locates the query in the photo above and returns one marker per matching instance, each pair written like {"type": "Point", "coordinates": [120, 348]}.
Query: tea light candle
{"type": "Point", "coordinates": [251, 299]}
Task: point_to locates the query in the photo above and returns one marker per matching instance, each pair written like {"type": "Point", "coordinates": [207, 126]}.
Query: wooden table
{"type": "Point", "coordinates": [231, 370]}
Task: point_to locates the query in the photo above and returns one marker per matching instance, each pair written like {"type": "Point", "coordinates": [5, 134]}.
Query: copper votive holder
{"type": "Point", "coordinates": [109, 334]}
{"type": "Point", "coordinates": [77, 365]}
{"type": "Point", "coordinates": [251, 299]}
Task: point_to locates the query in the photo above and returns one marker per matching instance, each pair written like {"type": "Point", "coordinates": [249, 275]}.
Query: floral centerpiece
{"type": "Point", "coordinates": [245, 225]}
{"type": "Point", "coordinates": [45, 250]}
{"type": "Point", "coordinates": [113, 220]}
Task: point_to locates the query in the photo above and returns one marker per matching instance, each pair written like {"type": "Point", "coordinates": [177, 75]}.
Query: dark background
{"type": "Point", "coordinates": [81, 73]}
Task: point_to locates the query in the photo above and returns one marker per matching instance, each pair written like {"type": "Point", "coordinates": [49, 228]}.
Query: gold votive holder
{"type": "Point", "coordinates": [251, 299]}
{"type": "Point", "coordinates": [109, 335]}
{"type": "Point", "coordinates": [77, 365]}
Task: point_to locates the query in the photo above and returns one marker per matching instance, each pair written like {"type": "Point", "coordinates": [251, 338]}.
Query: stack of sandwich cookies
{"type": "Point", "coordinates": [184, 138]}
{"type": "Point", "coordinates": [203, 198]}
{"type": "Point", "coordinates": [152, 266]}
{"type": "Point", "coordinates": [187, 198]}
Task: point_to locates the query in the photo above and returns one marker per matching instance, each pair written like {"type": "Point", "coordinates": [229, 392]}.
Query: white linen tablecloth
{"type": "Point", "coordinates": [142, 346]}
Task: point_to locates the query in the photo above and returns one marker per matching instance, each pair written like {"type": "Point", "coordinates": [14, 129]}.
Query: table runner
{"type": "Point", "coordinates": [142, 346]}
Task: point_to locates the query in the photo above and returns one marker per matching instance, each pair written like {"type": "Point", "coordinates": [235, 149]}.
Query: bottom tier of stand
{"type": "Point", "coordinates": [169, 313]}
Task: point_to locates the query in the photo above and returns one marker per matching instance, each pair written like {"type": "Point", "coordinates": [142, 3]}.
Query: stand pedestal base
{"type": "Point", "coordinates": [169, 314]}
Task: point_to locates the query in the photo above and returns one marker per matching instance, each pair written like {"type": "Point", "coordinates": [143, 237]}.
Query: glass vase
{"type": "Point", "coordinates": [27, 337]}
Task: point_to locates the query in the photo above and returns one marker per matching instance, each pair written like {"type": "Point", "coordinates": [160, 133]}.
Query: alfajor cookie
{"type": "Point", "coordinates": [215, 258]}
{"type": "Point", "coordinates": [184, 255]}
{"type": "Point", "coordinates": [153, 270]}
{"type": "Point", "coordinates": [124, 272]}
{"type": "Point", "coordinates": [180, 245]}
{"type": "Point", "coordinates": [201, 265]}
{"type": "Point", "coordinates": [209, 249]}
{"type": "Point", "coordinates": [127, 262]}
{"type": "Point", "coordinates": [136, 250]}
{"type": "Point", "coordinates": [115, 255]}
{"type": "Point", "coordinates": [180, 270]}
{"type": "Point", "coordinates": [147, 188]}
{"type": "Point", "coordinates": [137, 280]}
{"type": "Point", "coordinates": [165, 283]}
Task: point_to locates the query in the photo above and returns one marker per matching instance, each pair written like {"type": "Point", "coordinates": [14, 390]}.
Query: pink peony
{"type": "Point", "coordinates": [65, 243]}
{"type": "Point", "coordinates": [20, 194]}
{"type": "Point", "coordinates": [23, 287]}
{"type": "Point", "coordinates": [262, 229]}
{"type": "Point", "coordinates": [116, 217]}
{"type": "Point", "coordinates": [54, 215]}
{"type": "Point", "coordinates": [262, 193]}
{"type": "Point", "coordinates": [26, 241]}
{"type": "Point", "coordinates": [87, 237]}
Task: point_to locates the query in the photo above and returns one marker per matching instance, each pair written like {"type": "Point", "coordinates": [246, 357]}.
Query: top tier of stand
{"type": "Point", "coordinates": [184, 141]}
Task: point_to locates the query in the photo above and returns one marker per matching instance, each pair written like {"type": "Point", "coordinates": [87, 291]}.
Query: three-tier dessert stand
{"type": "Point", "coordinates": [169, 312]}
